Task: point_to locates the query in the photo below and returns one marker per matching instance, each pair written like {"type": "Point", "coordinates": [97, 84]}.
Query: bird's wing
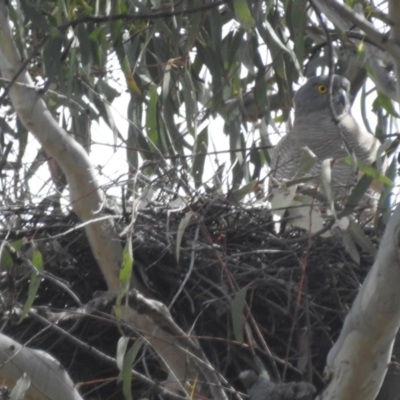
{"type": "Point", "coordinates": [284, 162]}
{"type": "Point", "coordinates": [364, 144]}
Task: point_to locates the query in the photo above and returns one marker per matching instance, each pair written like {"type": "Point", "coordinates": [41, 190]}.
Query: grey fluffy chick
{"type": "Point", "coordinates": [316, 127]}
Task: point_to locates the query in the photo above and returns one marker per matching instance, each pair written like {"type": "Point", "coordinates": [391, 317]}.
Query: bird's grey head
{"type": "Point", "coordinates": [314, 95]}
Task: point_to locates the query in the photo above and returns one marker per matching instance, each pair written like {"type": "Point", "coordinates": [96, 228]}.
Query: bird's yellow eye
{"type": "Point", "coordinates": [322, 89]}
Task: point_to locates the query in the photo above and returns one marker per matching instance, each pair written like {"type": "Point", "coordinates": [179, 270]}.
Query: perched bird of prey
{"type": "Point", "coordinates": [324, 132]}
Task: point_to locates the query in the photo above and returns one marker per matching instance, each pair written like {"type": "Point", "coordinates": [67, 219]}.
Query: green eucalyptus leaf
{"type": "Point", "coordinates": [296, 16]}
{"type": "Point", "coordinates": [5, 257]}
{"type": "Point", "coordinates": [356, 195]}
{"type": "Point", "coordinates": [36, 16]}
{"type": "Point", "coordinates": [127, 264]}
{"type": "Point", "coordinates": [151, 116]}
{"type": "Point", "coordinates": [243, 14]}
{"type": "Point", "coordinates": [350, 246]}
{"type": "Point", "coordinates": [193, 30]}
{"type": "Point", "coordinates": [181, 230]}
{"type": "Point", "coordinates": [125, 273]}
{"type": "Point", "coordinates": [84, 44]}
{"type": "Point", "coordinates": [166, 82]}
{"type": "Point", "coordinates": [37, 262]}
{"type": "Point", "coordinates": [52, 51]}
{"type": "Point", "coordinates": [248, 188]}
{"type": "Point", "coordinates": [107, 90]}
{"type": "Point", "coordinates": [138, 140]}
{"type": "Point", "coordinates": [237, 311]}
{"type": "Point", "coordinates": [189, 94]}
{"type": "Point", "coordinates": [361, 238]}
{"type": "Point", "coordinates": [387, 104]}
{"type": "Point", "coordinates": [122, 345]}
{"type": "Point", "coordinates": [126, 372]}
{"type": "Point", "coordinates": [326, 178]}
{"type": "Point", "coordinates": [200, 146]}
{"type": "Point", "coordinates": [384, 203]}
{"type": "Point", "coordinates": [307, 161]}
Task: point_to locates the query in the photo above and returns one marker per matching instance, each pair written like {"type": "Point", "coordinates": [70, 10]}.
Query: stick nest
{"type": "Point", "coordinates": [298, 290]}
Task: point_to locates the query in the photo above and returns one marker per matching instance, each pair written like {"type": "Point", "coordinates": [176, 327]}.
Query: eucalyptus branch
{"type": "Point", "coordinates": [146, 15]}
{"type": "Point", "coordinates": [382, 40]}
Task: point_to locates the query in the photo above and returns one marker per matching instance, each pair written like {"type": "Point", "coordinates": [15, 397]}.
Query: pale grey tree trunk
{"type": "Point", "coordinates": [48, 380]}
{"type": "Point", "coordinates": [358, 361]}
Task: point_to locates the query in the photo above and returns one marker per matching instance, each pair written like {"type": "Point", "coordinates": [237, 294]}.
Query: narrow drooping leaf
{"type": "Point", "coordinates": [52, 56]}
{"type": "Point", "coordinates": [173, 140]}
{"type": "Point", "coordinates": [351, 247]}
{"type": "Point", "coordinates": [81, 127]}
{"type": "Point", "coordinates": [326, 178]}
{"type": "Point", "coordinates": [193, 30]}
{"type": "Point", "coordinates": [200, 146]}
{"type": "Point", "coordinates": [125, 272]}
{"type": "Point", "coordinates": [97, 39]}
{"type": "Point", "coordinates": [384, 203]}
{"type": "Point", "coordinates": [107, 90]}
{"type": "Point", "coordinates": [361, 238]}
{"type": "Point", "coordinates": [237, 314]}
{"type": "Point", "coordinates": [356, 195]}
{"type": "Point", "coordinates": [122, 345]}
{"type": "Point", "coordinates": [307, 161]}
{"type": "Point", "coordinates": [277, 47]}
{"type": "Point", "coordinates": [240, 168]}
{"type": "Point", "coordinates": [296, 16]}
{"type": "Point", "coordinates": [211, 59]}
{"type": "Point", "coordinates": [214, 29]}
{"type": "Point", "coordinates": [19, 390]}
{"type": "Point", "coordinates": [126, 372]}
{"type": "Point", "coordinates": [181, 230]}
{"type": "Point", "coordinates": [84, 44]}
{"type": "Point", "coordinates": [37, 262]}
{"type": "Point", "coordinates": [387, 104]}
{"type": "Point", "coordinates": [246, 189]}
{"type": "Point", "coordinates": [257, 160]}
{"type": "Point", "coordinates": [243, 14]}
{"type": "Point", "coordinates": [189, 94]}
{"type": "Point", "coordinates": [127, 265]}
{"type": "Point", "coordinates": [138, 139]}
{"type": "Point", "coordinates": [22, 134]}
{"type": "Point", "coordinates": [385, 150]}
{"type": "Point", "coordinates": [5, 257]}
{"type": "Point", "coordinates": [233, 41]}
{"type": "Point", "coordinates": [123, 59]}
{"type": "Point", "coordinates": [35, 15]}
{"type": "Point", "coordinates": [111, 123]}
{"type": "Point", "coordinates": [260, 95]}
{"type": "Point", "coordinates": [373, 172]}
{"type": "Point", "coordinates": [106, 114]}
{"type": "Point", "coordinates": [151, 116]}
{"type": "Point", "coordinates": [166, 81]}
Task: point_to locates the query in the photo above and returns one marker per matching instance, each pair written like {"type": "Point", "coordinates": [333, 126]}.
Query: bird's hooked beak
{"type": "Point", "coordinates": [341, 97]}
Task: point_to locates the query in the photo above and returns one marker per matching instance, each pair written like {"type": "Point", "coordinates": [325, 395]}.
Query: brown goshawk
{"type": "Point", "coordinates": [328, 134]}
